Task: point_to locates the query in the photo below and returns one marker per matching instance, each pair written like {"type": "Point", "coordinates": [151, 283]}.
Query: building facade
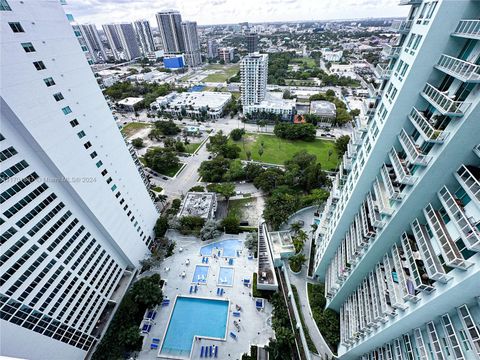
{"type": "Point", "coordinates": [144, 36]}
{"type": "Point", "coordinates": [398, 242]}
{"type": "Point", "coordinates": [170, 28]}
{"type": "Point", "coordinates": [193, 54]}
{"type": "Point", "coordinates": [226, 54]}
{"type": "Point", "coordinates": [128, 41]}
{"type": "Point", "coordinates": [93, 42]}
{"type": "Point", "coordinates": [76, 215]}
{"type": "Point", "coordinates": [253, 75]}
{"type": "Point", "coordinates": [113, 40]}
{"type": "Point", "coordinates": [212, 48]}
{"type": "Point", "coordinates": [252, 42]}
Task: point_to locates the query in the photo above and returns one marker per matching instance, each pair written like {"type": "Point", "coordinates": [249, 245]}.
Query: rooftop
{"type": "Point", "coordinates": [196, 99]}
{"type": "Point", "coordinates": [199, 204]}
{"type": "Point", "coordinates": [130, 101]}
{"type": "Point", "coordinates": [323, 108]}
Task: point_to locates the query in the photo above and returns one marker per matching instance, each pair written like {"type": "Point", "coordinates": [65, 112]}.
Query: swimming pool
{"type": "Point", "coordinates": [192, 317]}
{"type": "Point", "coordinates": [225, 276]}
{"type": "Point", "coordinates": [196, 88]}
{"type": "Point", "coordinates": [227, 248]}
{"type": "Point", "coordinates": [200, 275]}
{"type": "Point", "coordinates": [317, 221]}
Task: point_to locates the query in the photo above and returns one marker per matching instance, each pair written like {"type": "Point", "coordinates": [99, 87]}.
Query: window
{"type": "Point", "coordinates": [66, 110]}
{"type": "Point", "coordinates": [114, 187]}
{"type": "Point", "coordinates": [93, 155]}
{"type": "Point", "coordinates": [4, 6]}
{"type": "Point", "coordinates": [117, 195]}
{"type": "Point", "coordinates": [129, 212]}
{"type": "Point", "coordinates": [16, 27]}
{"type": "Point", "coordinates": [58, 96]}
{"type": "Point", "coordinates": [122, 201]}
{"type": "Point", "coordinates": [84, 48]}
{"type": "Point", "coordinates": [39, 65]}
{"type": "Point", "coordinates": [49, 82]}
{"type": "Point", "coordinates": [81, 134]}
{"type": "Point", "coordinates": [109, 180]}
{"type": "Point", "coordinates": [74, 122]}
{"type": "Point", "coordinates": [104, 172]}
{"type": "Point", "coordinates": [87, 145]}
{"type": "Point", "coordinates": [28, 47]}
{"type": "Point", "coordinates": [417, 42]}
{"type": "Point", "coordinates": [99, 163]}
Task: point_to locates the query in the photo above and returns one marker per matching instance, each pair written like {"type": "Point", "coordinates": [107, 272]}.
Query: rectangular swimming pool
{"type": "Point", "coordinates": [191, 317]}
{"type": "Point", "coordinates": [200, 275]}
{"type": "Point", "coordinates": [224, 248]}
{"type": "Point", "coordinates": [225, 276]}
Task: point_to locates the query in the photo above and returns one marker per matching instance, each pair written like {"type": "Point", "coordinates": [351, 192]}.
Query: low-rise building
{"type": "Point", "coordinates": [192, 104]}
{"type": "Point", "coordinates": [326, 110]}
{"type": "Point", "coordinates": [226, 54]}
{"type": "Point", "coordinates": [333, 56]}
{"type": "Point", "coordinates": [200, 204]}
{"type": "Point", "coordinates": [174, 62]}
{"type": "Point", "coordinates": [273, 105]}
{"type": "Point", "coordinates": [129, 103]}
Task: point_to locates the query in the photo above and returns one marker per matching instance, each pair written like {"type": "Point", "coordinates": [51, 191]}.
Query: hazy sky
{"type": "Point", "coordinates": [232, 11]}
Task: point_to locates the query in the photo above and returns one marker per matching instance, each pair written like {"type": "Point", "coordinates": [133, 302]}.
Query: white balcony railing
{"type": "Point", "coordinates": [476, 150]}
{"type": "Point", "coordinates": [443, 103]}
{"type": "Point", "coordinates": [411, 149]}
{"type": "Point", "coordinates": [462, 70]}
{"type": "Point", "coordinates": [402, 173]}
{"type": "Point", "coordinates": [394, 193]}
{"type": "Point", "coordinates": [347, 162]}
{"type": "Point", "coordinates": [401, 26]}
{"type": "Point", "coordinates": [357, 137]}
{"type": "Point", "coordinates": [391, 51]}
{"type": "Point", "coordinates": [468, 28]}
{"type": "Point", "coordinates": [383, 72]}
{"type": "Point", "coordinates": [381, 198]}
{"type": "Point", "coordinates": [361, 123]}
{"type": "Point", "coordinates": [468, 177]}
{"type": "Point", "coordinates": [425, 128]}
{"type": "Point", "coordinates": [454, 208]}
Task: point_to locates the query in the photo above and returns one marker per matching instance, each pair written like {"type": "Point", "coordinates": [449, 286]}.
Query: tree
{"type": "Point", "coordinates": [231, 224]}
{"type": "Point", "coordinates": [214, 170]}
{"type": "Point", "coordinates": [260, 151]}
{"type": "Point", "coordinates": [279, 206]}
{"type": "Point", "coordinates": [161, 128]}
{"type": "Point", "coordinates": [252, 170]}
{"type": "Point", "coordinates": [248, 154]}
{"type": "Point", "coordinates": [179, 146]}
{"type": "Point", "coordinates": [296, 262]}
{"type": "Point", "coordinates": [161, 160]}
{"type": "Point", "coordinates": [197, 188]}
{"type": "Point", "coordinates": [291, 131]}
{"type": "Point", "coordinates": [287, 94]}
{"type": "Point", "coordinates": [130, 337]}
{"type": "Point", "coordinates": [146, 292]}
{"type": "Point", "coordinates": [330, 153]}
{"type": "Point", "coordinates": [251, 241]}
{"type": "Point", "coordinates": [227, 190]}
{"type": "Point", "coordinates": [330, 93]}
{"type": "Point", "coordinates": [269, 179]}
{"type": "Point", "coordinates": [236, 134]}
{"type": "Point", "coordinates": [190, 224]}
{"type": "Point", "coordinates": [296, 227]}
{"type": "Point", "coordinates": [341, 144]}
{"type": "Point", "coordinates": [210, 230]}
{"type": "Point", "coordinates": [137, 142]}
{"type": "Point", "coordinates": [161, 226]}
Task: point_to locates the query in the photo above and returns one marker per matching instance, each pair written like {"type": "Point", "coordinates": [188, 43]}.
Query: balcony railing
{"type": "Point", "coordinates": [411, 149]}
{"type": "Point", "coordinates": [382, 72]}
{"type": "Point", "coordinates": [373, 212]}
{"type": "Point", "coordinates": [425, 128]}
{"type": "Point", "coordinates": [407, 285]}
{"type": "Point", "coordinates": [410, 2]}
{"type": "Point", "coordinates": [401, 26]}
{"type": "Point", "coordinates": [401, 171]}
{"type": "Point", "coordinates": [361, 123]}
{"type": "Point", "coordinates": [373, 92]}
{"type": "Point", "coordinates": [469, 178]}
{"type": "Point", "coordinates": [476, 150]}
{"type": "Point", "coordinates": [468, 29]}
{"type": "Point", "coordinates": [462, 70]}
{"type": "Point", "coordinates": [394, 290]}
{"type": "Point", "coordinates": [347, 162]}
{"type": "Point", "coordinates": [394, 192]}
{"type": "Point", "coordinates": [357, 137]}
{"type": "Point", "coordinates": [391, 51]}
{"type": "Point", "coordinates": [381, 198]}
{"type": "Point", "coordinates": [351, 150]}
{"type": "Point", "coordinates": [444, 104]}
{"type": "Point", "coordinates": [451, 253]}
{"type": "Point", "coordinates": [454, 208]}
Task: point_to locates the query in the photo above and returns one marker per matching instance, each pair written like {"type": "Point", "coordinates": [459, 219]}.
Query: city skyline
{"type": "Point", "coordinates": [220, 12]}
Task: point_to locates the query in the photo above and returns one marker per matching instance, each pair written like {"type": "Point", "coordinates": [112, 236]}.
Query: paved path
{"type": "Point", "coordinates": [300, 281]}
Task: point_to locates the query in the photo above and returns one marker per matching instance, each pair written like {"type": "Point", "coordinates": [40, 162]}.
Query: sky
{"type": "Point", "coordinates": [207, 12]}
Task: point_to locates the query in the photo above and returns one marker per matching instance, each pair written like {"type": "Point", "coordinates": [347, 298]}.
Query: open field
{"type": "Point", "coordinates": [277, 151]}
{"type": "Point", "coordinates": [222, 72]}
{"type": "Point", "coordinates": [134, 127]}
{"type": "Point", "coordinates": [191, 147]}
{"type": "Point", "coordinates": [310, 62]}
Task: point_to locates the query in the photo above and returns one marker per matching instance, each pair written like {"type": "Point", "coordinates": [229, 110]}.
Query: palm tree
{"type": "Point", "coordinates": [295, 227]}
{"type": "Point", "coordinates": [162, 198]}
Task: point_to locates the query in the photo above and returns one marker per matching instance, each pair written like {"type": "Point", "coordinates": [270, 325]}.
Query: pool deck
{"type": "Point", "coordinates": [255, 328]}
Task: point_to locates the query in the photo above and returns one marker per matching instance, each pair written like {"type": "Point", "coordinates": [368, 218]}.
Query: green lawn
{"type": "Point", "coordinates": [190, 148]}
{"type": "Point", "coordinates": [172, 171]}
{"type": "Point", "coordinates": [310, 62]}
{"type": "Point", "coordinates": [223, 72]}
{"type": "Point", "coordinates": [132, 128]}
{"type": "Point", "coordinates": [277, 151]}
{"type": "Point", "coordinates": [236, 207]}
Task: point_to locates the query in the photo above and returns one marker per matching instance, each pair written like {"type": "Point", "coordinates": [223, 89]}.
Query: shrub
{"type": "Point", "coordinates": [231, 224]}
{"type": "Point", "coordinates": [291, 131]}
{"type": "Point", "coordinates": [137, 142]}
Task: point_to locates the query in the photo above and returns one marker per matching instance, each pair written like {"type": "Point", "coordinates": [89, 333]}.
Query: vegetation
{"type": "Point", "coordinates": [190, 225]}
{"type": "Point", "coordinates": [256, 293]}
{"type": "Point", "coordinates": [296, 262]}
{"type": "Point", "coordinates": [282, 347]}
{"type": "Point", "coordinates": [190, 148]}
{"type": "Point", "coordinates": [290, 131]}
{"type": "Point", "coordinates": [343, 115]}
{"type": "Point", "coordinates": [220, 146]}
{"type": "Point", "coordinates": [251, 242]}
{"type": "Point", "coordinates": [253, 354]}
{"type": "Point", "coordinates": [123, 334]}
{"type": "Point", "coordinates": [222, 72]}
{"type": "Point", "coordinates": [341, 144]}
{"type": "Point", "coordinates": [310, 343]}
{"type": "Point", "coordinates": [137, 143]}
{"type": "Point", "coordinates": [210, 230]}
{"type": "Point", "coordinates": [164, 161]}
{"type": "Point", "coordinates": [236, 134]}
{"type": "Point", "coordinates": [163, 128]}
{"type": "Point", "coordinates": [327, 320]}
{"type": "Point", "coordinates": [214, 170]}
{"type": "Point", "coordinates": [149, 91]}
{"type": "Point", "coordinates": [197, 188]}
{"type": "Point", "coordinates": [231, 224]}
{"type": "Point", "coordinates": [134, 127]}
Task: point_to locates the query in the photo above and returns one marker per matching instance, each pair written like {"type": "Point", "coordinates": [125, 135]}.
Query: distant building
{"type": "Point", "coordinates": [122, 40]}
{"type": "Point", "coordinates": [144, 37]}
{"type": "Point", "coordinates": [170, 28]}
{"type": "Point", "coordinates": [174, 62]}
{"type": "Point", "coordinates": [93, 42]}
{"type": "Point", "coordinates": [252, 42]}
{"type": "Point", "coordinates": [332, 56]}
{"type": "Point", "coordinates": [212, 48]}
{"type": "Point", "coordinates": [273, 105]}
{"type": "Point", "coordinates": [193, 55]}
{"type": "Point", "coordinates": [253, 73]}
{"type": "Point", "coordinates": [326, 110]}
{"type": "Point", "coordinates": [226, 54]}
{"type": "Point", "coordinates": [200, 204]}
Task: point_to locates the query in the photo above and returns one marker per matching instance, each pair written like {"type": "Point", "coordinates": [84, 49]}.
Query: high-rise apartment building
{"type": "Point", "coordinates": [399, 240]}
{"type": "Point", "coordinates": [122, 40]}
{"type": "Point", "coordinates": [93, 42]}
{"type": "Point", "coordinates": [144, 36]}
{"type": "Point", "coordinates": [252, 42]}
{"type": "Point", "coordinates": [193, 55]}
{"type": "Point", "coordinates": [76, 216]}
{"type": "Point", "coordinates": [253, 74]}
{"type": "Point", "coordinates": [212, 48]}
{"type": "Point", "coordinates": [170, 28]}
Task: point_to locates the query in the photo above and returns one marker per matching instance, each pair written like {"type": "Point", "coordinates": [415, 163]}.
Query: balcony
{"type": "Point", "coordinates": [361, 123]}
{"type": "Point", "coordinates": [476, 150]}
{"type": "Point", "coordinates": [462, 70]}
{"type": "Point", "coordinates": [410, 2]}
{"type": "Point", "coordinates": [368, 107]}
{"type": "Point", "coordinates": [373, 212]}
{"type": "Point", "coordinates": [394, 190]}
{"type": "Point", "coordinates": [402, 173]}
{"type": "Point", "coordinates": [450, 252]}
{"type": "Point", "coordinates": [374, 92]}
{"type": "Point", "coordinates": [368, 230]}
{"type": "Point", "coordinates": [347, 162]}
{"type": "Point", "coordinates": [394, 289]}
{"type": "Point", "coordinates": [469, 29]}
{"type": "Point", "coordinates": [357, 137]}
{"type": "Point", "coordinates": [455, 210]}
{"type": "Point", "coordinates": [426, 127]}
{"type": "Point", "coordinates": [381, 198]}
{"type": "Point", "coordinates": [401, 26]}
{"type": "Point", "coordinates": [469, 178]}
{"type": "Point", "coordinates": [412, 150]}
{"type": "Point", "coordinates": [391, 51]}
{"type": "Point", "coordinates": [382, 72]}
{"type": "Point", "coordinates": [443, 103]}
{"type": "Point", "coordinates": [406, 283]}
{"type": "Point", "coordinates": [351, 150]}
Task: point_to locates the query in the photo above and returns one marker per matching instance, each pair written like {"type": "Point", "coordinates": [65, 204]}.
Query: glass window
{"type": "Point", "coordinates": [58, 96]}
{"type": "Point", "coordinates": [81, 134]}
{"type": "Point", "coordinates": [39, 65]}
{"type": "Point", "coordinates": [49, 81]}
{"type": "Point", "coordinates": [87, 145]}
{"type": "Point", "coordinates": [66, 110]}
{"type": "Point", "coordinates": [114, 187]}
{"type": "Point", "coordinates": [104, 172]}
{"type": "Point", "coordinates": [4, 6]}
{"type": "Point", "coordinates": [93, 155]}
{"type": "Point", "coordinates": [74, 122]}
{"type": "Point", "coordinates": [99, 163]}
{"type": "Point", "coordinates": [28, 47]}
{"type": "Point", "coordinates": [109, 180]}
{"type": "Point", "coordinates": [16, 27]}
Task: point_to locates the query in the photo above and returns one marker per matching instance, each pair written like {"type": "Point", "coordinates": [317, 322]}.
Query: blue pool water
{"type": "Point", "coordinates": [200, 275]}
{"type": "Point", "coordinates": [194, 317]}
{"type": "Point", "coordinates": [227, 247]}
{"type": "Point", "coordinates": [225, 276]}
{"type": "Point", "coordinates": [196, 88]}
{"type": "Point", "coordinates": [317, 221]}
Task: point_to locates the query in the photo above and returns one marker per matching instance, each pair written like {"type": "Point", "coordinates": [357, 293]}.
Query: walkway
{"type": "Point", "coordinates": [300, 281]}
